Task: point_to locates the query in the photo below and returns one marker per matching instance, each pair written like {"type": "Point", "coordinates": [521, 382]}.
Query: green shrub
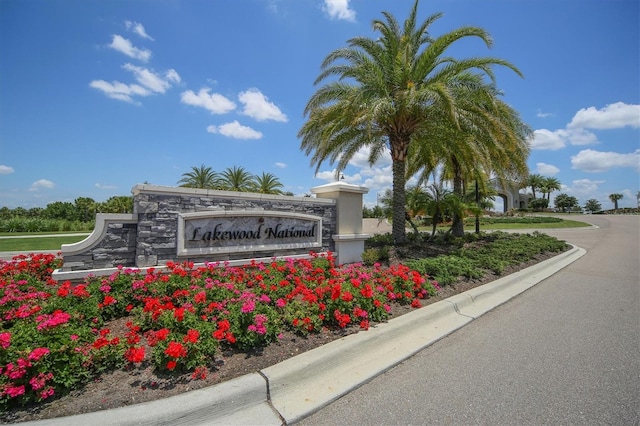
{"type": "Point", "coordinates": [375, 255]}
{"type": "Point", "coordinates": [446, 269]}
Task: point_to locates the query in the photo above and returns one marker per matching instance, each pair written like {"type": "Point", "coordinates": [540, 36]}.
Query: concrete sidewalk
{"type": "Point", "coordinates": [296, 388]}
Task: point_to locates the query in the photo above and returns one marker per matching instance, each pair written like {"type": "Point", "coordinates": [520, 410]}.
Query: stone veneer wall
{"type": "Point", "coordinates": [158, 210]}
{"type": "Point", "coordinates": [149, 237]}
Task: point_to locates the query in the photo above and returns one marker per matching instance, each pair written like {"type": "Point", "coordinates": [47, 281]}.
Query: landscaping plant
{"type": "Point", "coordinates": [56, 336]}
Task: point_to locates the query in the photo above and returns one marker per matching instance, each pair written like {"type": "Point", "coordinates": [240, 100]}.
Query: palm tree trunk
{"type": "Point", "coordinates": [457, 227]}
{"type": "Point", "coordinates": [399, 199]}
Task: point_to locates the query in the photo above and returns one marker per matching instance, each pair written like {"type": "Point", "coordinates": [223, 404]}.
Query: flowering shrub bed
{"type": "Point", "coordinates": [55, 336]}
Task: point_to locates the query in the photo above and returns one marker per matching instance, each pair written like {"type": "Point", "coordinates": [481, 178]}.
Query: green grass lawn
{"type": "Point", "coordinates": [27, 245]}
{"type": "Point", "coordinates": [564, 224]}
{"type": "Point", "coordinates": [501, 226]}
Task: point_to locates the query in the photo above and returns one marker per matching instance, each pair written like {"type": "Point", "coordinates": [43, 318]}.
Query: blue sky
{"type": "Point", "coordinates": [97, 96]}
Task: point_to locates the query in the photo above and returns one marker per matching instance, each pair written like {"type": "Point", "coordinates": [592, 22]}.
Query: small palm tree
{"type": "Point", "coordinates": [592, 205]}
{"type": "Point", "coordinates": [237, 179]}
{"type": "Point", "coordinates": [440, 199]}
{"type": "Point", "coordinates": [614, 198]}
{"type": "Point", "coordinates": [200, 177]}
{"type": "Point", "coordinates": [268, 183]}
{"type": "Point", "coordinates": [535, 181]}
{"type": "Point", "coordinates": [549, 184]}
{"type": "Point", "coordinates": [417, 200]}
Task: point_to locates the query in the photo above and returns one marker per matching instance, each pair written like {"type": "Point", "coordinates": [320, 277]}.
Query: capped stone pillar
{"type": "Point", "coordinates": [349, 239]}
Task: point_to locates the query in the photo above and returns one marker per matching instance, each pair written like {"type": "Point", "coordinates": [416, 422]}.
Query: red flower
{"type": "Point", "coordinates": [135, 354]}
{"type": "Point", "coordinates": [108, 300]}
{"type": "Point", "coordinates": [162, 334]}
{"type": "Point", "coordinates": [179, 314]}
{"type": "Point", "coordinates": [416, 303]}
{"type": "Point", "coordinates": [347, 296]}
{"type": "Point", "coordinates": [200, 297]}
{"type": "Point", "coordinates": [335, 291]}
{"type": "Point", "coordinates": [171, 365]}
{"type": "Point", "coordinates": [175, 350]}
{"type": "Point", "coordinates": [100, 343]}
{"type": "Point", "coordinates": [224, 325]}
{"type": "Point", "coordinates": [367, 291]}
{"type": "Point", "coordinates": [192, 336]}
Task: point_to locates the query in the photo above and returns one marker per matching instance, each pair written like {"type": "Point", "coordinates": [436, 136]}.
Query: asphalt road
{"type": "Point", "coordinates": [565, 352]}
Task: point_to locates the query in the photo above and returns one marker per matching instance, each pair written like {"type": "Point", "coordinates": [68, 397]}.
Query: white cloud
{"type": "Point", "coordinates": [582, 188]}
{"type": "Point", "coordinates": [339, 9]}
{"type": "Point", "coordinates": [41, 184]}
{"type": "Point", "coordinates": [151, 80]}
{"type": "Point", "coordinates": [546, 139]}
{"type": "Point", "coordinates": [361, 158]}
{"type": "Point", "coordinates": [381, 178]}
{"type": "Point", "coordinates": [558, 139]}
{"type": "Point", "coordinates": [581, 137]}
{"type": "Point", "coordinates": [281, 165]}
{"type": "Point", "coordinates": [172, 75]}
{"type": "Point", "coordinates": [613, 116]}
{"type": "Point", "coordinates": [329, 176]}
{"type": "Point", "coordinates": [589, 160]}
{"type": "Point", "coordinates": [120, 91]}
{"type": "Point", "coordinates": [214, 103]}
{"type": "Point", "coordinates": [103, 186]}
{"type": "Point", "coordinates": [258, 107]}
{"type": "Point", "coordinates": [137, 28]}
{"type": "Point", "coordinates": [547, 169]}
{"type": "Point", "coordinates": [541, 114]}
{"type": "Point", "coordinates": [125, 46]}
{"type": "Point", "coordinates": [5, 170]}
{"type": "Point", "coordinates": [235, 130]}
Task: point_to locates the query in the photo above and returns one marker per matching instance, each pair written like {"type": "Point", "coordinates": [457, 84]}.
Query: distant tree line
{"type": "Point", "coordinates": [62, 215]}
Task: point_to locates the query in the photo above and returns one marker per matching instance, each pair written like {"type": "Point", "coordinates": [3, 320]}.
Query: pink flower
{"type": "Point", "coordinates": [248, 306]}
{"type": "Point", "coordinates": [15, 391]}
{"type": "Point", "coordinates": [50, 321]}
{"type": "Point", "coordinates": [280, 303]}
{"type": "Point", "coordinates": [5, 340]}
{"type": "Point", "coordinates": [265, 299]}
{"type": "Point", "coordinates": [40, 380]}
{"type": "Point", "coordinates": [47, 393]}
{"type": "Point", "coordinates": [38, 353]}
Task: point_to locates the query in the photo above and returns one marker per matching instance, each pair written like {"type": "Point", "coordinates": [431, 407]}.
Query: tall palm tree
{"type": "Point", "coordinates": [237, 179]}
{"type": "Point", "coordinates": [614, 198]}
{"type": "Point", "coordinates": [200, 177]}
{"type": "Point", "coordinates": [489, 138]}
{"type": "Point", "coordinates": [268, 183]}
{"type": "Point", "coordinates": [385, 90]}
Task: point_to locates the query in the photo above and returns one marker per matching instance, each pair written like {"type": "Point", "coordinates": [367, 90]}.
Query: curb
{"type": "Point", "coordinates": [239, 401]}
{"type": "Point", "coordinates": [296, 388]}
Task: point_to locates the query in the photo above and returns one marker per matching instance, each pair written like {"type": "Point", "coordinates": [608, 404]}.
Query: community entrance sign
{"type": "Point", "coordinates": [172, 224]}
